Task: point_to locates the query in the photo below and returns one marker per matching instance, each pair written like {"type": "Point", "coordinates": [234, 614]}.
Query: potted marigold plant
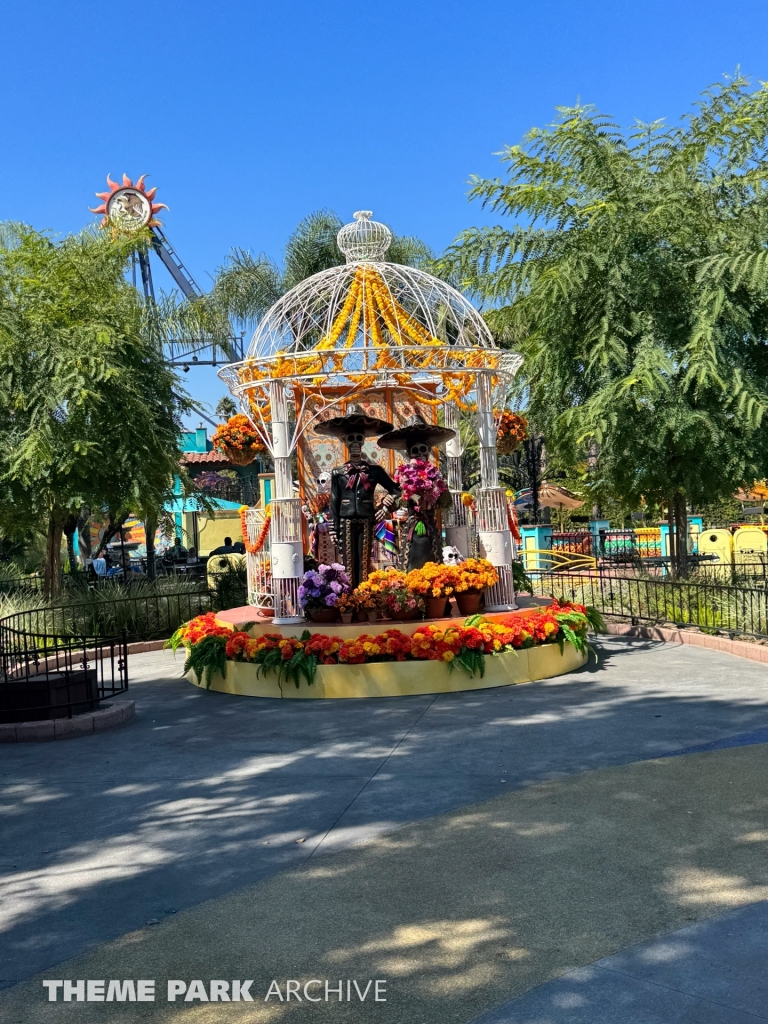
{"type": "Point", "coordinates": [239, 440]}
{"type": "Point", "coordinates": [320, 591]}
{"type": "Point", "coordinates": [435, 583]}
{"type": "Point", "coordinates": [394, 599]}
{"type": "Point", "coordinates": [472, 577]}
{"type": "Point", "coordinates": [347, 607]}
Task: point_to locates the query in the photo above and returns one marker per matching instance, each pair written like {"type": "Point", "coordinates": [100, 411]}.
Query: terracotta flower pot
{"type": "Point", "coordinates": [409, 616]}
{"type": "Point", "coordinates": [468, 602]}
{"type": "Point", "coordinates": [346, 618]}
{"type": "Point", "coordinates": [435, 607]}
{"type": "Point", "coordinates": [323, 614]}
{"type": "Point", "coordinates": [373, 616]}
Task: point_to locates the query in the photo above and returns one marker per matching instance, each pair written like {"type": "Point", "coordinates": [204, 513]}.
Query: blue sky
{"type": "Point", "coordinates": [249, 115]}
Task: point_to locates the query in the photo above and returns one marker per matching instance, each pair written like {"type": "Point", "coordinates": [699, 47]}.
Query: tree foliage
{"type": "Point", "coordinates": [89, 408]}
{"type": "Point", "coordinates": [635, 283]}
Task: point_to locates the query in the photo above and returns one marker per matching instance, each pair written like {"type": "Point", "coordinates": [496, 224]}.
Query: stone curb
{"type": "Point", "coordinates": [117, 713]}
{"type": "Point", "coordinates": [145, 646]}
{"type": "Point", "coordinates": [738, 648]}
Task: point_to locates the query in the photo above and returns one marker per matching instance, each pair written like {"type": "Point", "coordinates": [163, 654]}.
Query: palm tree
{"type": "Point", "coordinates": [247, 285]}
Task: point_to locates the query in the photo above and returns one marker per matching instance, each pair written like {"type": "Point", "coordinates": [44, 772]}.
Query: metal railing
{"type": "Point", "coordinates": [43, 675]}
{"type": "Point", "coordinates": [577, 542]}
{"type": "Point", "coordinates": [708, 605]}
{"type": "Point", "coordinates": [62, 660]}
{"type": "Point", "coordinates": [142, 617]}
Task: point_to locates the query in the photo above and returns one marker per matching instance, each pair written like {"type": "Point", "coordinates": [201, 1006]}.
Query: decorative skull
{"type": "Point", "coordinates": [452, 555]}
{"type": "Point", "coordinates": [418, 450]}
{"type": "Point", "coordinates": [323, 483]}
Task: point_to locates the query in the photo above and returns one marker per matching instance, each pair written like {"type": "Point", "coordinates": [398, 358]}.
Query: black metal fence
{"type": "Point", "coordinates": [152, 616]}
{"type": "Point", "coordinates": [573, 541]}
{"type": "Point", "coordinates": [63, 659]}
{"type": "Point", "coordinates": [43, 675]}
{"type": "Point", "coordinates": [709, 605]}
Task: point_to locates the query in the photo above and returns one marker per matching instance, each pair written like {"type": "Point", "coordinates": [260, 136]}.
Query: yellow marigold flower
{"type": "Point", "coordinates": [448, 656]}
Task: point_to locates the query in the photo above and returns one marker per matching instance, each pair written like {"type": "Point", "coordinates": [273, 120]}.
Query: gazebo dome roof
{"type": "Point", "coordinates": [388, 304]}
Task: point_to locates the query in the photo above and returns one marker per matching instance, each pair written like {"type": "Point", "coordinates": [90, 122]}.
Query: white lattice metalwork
{"type": "Point", "coordinates": [364, 239]}
{"type": "Point", "coordinates": [258, 563]}
{"type": "Point", "coordinates": [366, 325]}
{"type": "Point", "coordinates": [501, 597]}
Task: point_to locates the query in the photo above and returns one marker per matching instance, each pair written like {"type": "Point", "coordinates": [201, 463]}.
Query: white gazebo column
{"type": "Point", "coordinates": [285, 531]}
{"type": "Point", "coordinates": [457, 516]}
{"type": "Point", "coordinates": [494, 536]}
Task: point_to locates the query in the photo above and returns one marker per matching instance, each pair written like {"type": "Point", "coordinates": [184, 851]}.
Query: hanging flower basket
{"type": "Point", "coordinates": [239, 456]}
{"type": "Point", "coordinates": [238, 440]}
{"type": "Point", "coordinates": [513, 429]}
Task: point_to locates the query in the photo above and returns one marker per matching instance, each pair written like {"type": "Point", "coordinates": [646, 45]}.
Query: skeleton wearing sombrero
{"type": "Point", "coordinates": [421, 538]}
{"type": "Point", "coordinates": [353, 485]}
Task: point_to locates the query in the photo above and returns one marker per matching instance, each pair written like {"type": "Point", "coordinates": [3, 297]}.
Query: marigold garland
{"type": "Point", "coordinates": [370, 301]}
{"type": "Point", "coordinates": [255, 547]}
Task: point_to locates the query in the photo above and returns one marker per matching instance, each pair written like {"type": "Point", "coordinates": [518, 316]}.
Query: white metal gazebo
{"type": "Point", "coordinates": [369, 324]}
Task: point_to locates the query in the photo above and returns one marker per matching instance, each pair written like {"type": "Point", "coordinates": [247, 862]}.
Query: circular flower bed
{"type": "Point", "coordinates": [209, 645]}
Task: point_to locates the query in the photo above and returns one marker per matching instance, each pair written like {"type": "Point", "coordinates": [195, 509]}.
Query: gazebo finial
{"type": "Point", "coordinates": [364, 240]}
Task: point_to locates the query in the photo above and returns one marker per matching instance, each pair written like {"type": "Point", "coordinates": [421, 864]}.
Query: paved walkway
{"type": "Point", "coordinates": [206, 794]}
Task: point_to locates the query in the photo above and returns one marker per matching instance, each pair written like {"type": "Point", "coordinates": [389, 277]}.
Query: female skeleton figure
{"type": "Point", "coordinates": [424, 488]}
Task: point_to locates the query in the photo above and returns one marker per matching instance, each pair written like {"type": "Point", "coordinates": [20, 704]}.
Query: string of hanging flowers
{"type": "Point", "coordinates": [255, 547]}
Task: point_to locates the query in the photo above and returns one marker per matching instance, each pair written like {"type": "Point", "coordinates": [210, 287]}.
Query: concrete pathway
{"type": "Point", "coordinates": [713, 972]}
{"type": "Point", "coordinates": [206, 793]}
{"type": "Point", "coordinates": [460, 912]}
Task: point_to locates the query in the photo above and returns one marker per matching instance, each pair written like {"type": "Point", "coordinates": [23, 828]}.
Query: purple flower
{"type": "Point", "coordinates": [332, 600]}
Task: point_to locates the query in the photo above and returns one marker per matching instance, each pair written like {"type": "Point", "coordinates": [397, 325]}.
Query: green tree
{"type": "Point", "coordinates": [635, 283]}
{"type": "Point", "coordinates": [226, 408]}
{"type": "Point", "coordinates": [247, 285]}
{"type": "Point", "coordinates": [89, 408]}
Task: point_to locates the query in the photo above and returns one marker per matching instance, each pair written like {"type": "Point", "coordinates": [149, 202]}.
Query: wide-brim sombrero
{"type": "Point", "coordinates": [353, 420]}
{"type": "Point", "coordinates": [415, 430]}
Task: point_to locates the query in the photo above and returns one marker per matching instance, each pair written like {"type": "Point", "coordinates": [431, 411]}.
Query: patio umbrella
{"type": "Point", "coordinates": [553, 496]}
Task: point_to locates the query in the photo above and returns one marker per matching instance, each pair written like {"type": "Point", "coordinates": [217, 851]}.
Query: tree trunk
{"type": "Point", "coordinates": [113, 528]}
{"type": "Point", "coordinates": [84, 535]}
{"type": "Point", "coordinates": [150, 526]}
{"type": "Point", "coordinates": [681, 523]}
{"type": "Point", "coordinates": [52, 574]}
{"type": "Point", "coordinates": [672, 538]}
{"type": "Point", "coordinates": [69, 527]}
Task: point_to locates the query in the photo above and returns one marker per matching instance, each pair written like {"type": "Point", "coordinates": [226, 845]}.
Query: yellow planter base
{"type": "Point", "coordinates": [400, 679]}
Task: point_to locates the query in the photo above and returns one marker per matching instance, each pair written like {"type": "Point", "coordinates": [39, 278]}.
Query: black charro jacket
{"type": "Point", "coordinates": [356, 501]}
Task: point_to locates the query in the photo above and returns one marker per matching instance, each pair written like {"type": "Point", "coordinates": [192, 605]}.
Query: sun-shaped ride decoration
{"type": "Point", "coordinates": [129, 206]}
